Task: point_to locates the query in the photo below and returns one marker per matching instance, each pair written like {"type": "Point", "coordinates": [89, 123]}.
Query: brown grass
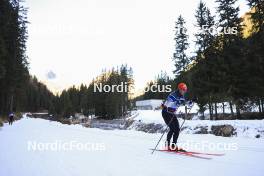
{"type": "Point", "coordinates": [65, 121]}
{"type": "Point", "coordinates": [1, 123]}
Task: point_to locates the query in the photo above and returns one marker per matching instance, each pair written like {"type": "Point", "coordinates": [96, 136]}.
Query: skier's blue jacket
{"type": "Point", "coordinates": [174, 101]}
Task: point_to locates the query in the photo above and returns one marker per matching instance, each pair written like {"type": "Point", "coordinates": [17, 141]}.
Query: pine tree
{"type": "Point", "coordinates": [228, 19]}
{"type": "Point", "coordinates": [180, 57]}
{"type": "Point", "coordinates": [201, 23]}
{"type": "Point", "coordinates": [255, 53]}
{"type": "Point", "coordinates": [13, 60]}
{"type": "Point", "coordinates": [232, 63]}
{"type": "Point", "coordinates": [205, 21]}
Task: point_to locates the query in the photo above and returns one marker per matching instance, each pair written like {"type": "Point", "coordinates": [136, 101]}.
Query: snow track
{"type": "Point", "coordinates": [126, 153]}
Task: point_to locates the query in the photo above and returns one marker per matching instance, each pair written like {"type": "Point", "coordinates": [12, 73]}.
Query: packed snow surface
{"type": "Point", "coordinates": [116, 153]}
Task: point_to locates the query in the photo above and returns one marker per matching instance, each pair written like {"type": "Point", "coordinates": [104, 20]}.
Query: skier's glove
{"type": "Point", "coordinates": [190, 103]}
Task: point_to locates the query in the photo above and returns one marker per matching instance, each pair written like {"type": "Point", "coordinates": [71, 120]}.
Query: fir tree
{"type": "Point", "coordinates": [180, 57]}
{"type": "Point", "coordinates": [204, 22]}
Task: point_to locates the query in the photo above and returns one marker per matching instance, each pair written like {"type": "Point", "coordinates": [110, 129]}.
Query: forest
{"type": "Point", "coordinates": [223, 67]}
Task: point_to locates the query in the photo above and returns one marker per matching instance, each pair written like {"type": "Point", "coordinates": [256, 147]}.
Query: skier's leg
{"type": "Point", "coordinates": [167, 119]}
{"type": "Point", "coordinates": [169, 136]}
{"type": "Point", "coordinates": [176, 130]}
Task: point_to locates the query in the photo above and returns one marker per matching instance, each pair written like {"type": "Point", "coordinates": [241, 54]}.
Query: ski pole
{"type": "Point", "coordinates": [185, 119]}
{"type": "Point", "coordinates": [183, 122]}
{"type": "Point", "coordinates": [162, 135]}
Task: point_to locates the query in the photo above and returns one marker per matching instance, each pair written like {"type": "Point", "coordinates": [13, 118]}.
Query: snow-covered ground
{"type": "Point", "coordinates": [116, 153]}
{"type": "Point", "coordinates": [244, 128]}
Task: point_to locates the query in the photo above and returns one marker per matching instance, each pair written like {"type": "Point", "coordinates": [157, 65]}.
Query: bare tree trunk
{"type": "Point", "coordinates": [210, 110]}
{"type": "Point", "coordinates": [262, 105]}
{"type": "Point", "coordinates": [231, 109]}
{"type": "Point", "coordinates": [259, 105]}
{"type": "Point", "coordinates": [216, 114]}
{"type": "Point", "coordinates": [238, 112]}
{"type": "Point", "coordinates": [223, 107]}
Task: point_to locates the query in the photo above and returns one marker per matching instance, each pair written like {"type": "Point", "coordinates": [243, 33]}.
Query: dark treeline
{"type": "Point", "coordinates": [21, 92]}
{"type": "Point", "coordinates": [227, 66]}
{"type": "Point", "coordinates": [37, 97]}
{"type": "Point", "coordinates": [90, 101]}
{"type": "Point", "coordinates": [18, 90]}
{"type": "Point", "coordinates": [160, 91]}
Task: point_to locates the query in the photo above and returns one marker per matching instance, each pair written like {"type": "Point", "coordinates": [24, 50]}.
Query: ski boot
{"type": "Point", "coordinates": [175, 148]}
{"type": "Point", "coordinates": [167, 145]}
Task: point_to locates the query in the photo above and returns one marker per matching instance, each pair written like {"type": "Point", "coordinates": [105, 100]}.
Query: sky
{"type": "Point", "coordinates": [71, 42]}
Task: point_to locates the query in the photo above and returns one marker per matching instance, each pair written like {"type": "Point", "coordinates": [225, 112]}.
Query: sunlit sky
{"type": "Point", "coordinates": [70, 42]}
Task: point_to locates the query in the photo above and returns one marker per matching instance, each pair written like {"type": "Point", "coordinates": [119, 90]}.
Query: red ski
{"type": "Point", "coordinates": [198, 153]}
{"type": "Point", "coordinates": [211, 154]}
{"type": "Point", "coordinates": [184, 153]}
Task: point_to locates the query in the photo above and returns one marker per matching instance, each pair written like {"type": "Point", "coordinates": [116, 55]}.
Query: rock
{"type": "Point", "coordinates": [184, 128]}
{"type": "Point", "coordinates": [154, 128]}
{"type": "Point", "coordinates": [148, 128]}
{"type": "Point", "coordinates": [201, 130]}
{"type": "Point", "coordinates": [223, 130]}
{"type": "Point", "coordinates": [65, 121]}
{"type": "Point", "coordinates": [87, 125]}
{"type": "Point", "coordinates": [257, 136]}
{"type": "Point", "coordinates": [128, 123]}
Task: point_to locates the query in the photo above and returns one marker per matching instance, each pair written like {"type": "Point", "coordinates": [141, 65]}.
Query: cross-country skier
{"type": "Point", "coordinates": [11, 118]}
{"type": "Point", "coordinates": [172, 103]}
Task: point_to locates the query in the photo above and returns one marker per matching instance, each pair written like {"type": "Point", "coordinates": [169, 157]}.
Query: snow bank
{"type": "Point", "coordinates": [243, 128]}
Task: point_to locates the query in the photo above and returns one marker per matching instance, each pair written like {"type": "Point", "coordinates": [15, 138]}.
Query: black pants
{"type": "Point", "coordinates": [11, 119]}
{"type": "Point", "coordinates": [173, 123]}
